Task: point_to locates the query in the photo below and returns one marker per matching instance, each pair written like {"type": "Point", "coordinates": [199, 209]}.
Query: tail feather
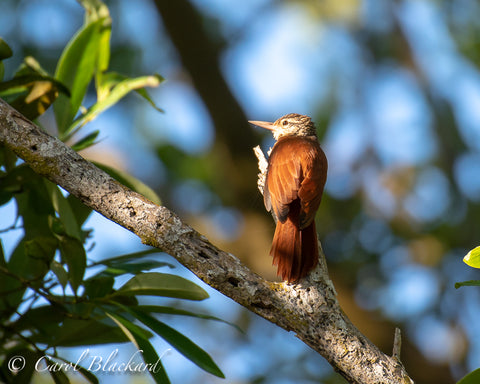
{"type": "Point", "coordinates": [294, 251]}
{"type": "Point", "coordinates": [286, 250]}
{"type": "Point", "coordinates": [309, 249]}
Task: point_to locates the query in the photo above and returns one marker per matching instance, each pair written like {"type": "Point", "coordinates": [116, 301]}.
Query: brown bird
{"type": "Point", "coordinates": [296, 176]}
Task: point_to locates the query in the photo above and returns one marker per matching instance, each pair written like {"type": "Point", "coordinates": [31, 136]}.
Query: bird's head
{"type": "Point", "coordinates": [292, 124]}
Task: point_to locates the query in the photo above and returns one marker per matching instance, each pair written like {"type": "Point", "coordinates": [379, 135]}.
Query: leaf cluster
{"type": "Point", "coordinates": [51, 294]}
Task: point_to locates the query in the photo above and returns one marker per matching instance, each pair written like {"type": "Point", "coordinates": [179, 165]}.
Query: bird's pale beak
{"type": "Point", "coordinates": [263, 124]}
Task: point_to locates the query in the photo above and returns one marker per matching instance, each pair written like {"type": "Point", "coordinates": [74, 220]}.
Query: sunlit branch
{"type": "Point", "coordinates": [310, 308]}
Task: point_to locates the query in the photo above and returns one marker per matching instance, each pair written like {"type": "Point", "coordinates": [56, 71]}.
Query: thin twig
{"type": "Point", "coordinates": [397, 344]}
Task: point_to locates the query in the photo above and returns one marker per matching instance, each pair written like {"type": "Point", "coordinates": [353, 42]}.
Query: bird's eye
{"type": "Point", "coordinates": [284, 123]}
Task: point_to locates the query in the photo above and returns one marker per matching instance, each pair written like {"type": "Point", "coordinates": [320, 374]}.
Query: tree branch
{"type": "Point", "coordinates": [309, 308]}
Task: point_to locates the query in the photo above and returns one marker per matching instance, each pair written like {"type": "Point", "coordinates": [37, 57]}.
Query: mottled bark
{"type": "Point", "coordinates": [310, 308]}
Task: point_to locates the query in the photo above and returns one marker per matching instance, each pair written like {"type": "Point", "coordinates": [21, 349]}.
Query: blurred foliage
{"type": "Point", "coordinates": [403, 198]}
{"type": "Point", "coordinates": [46, 299]}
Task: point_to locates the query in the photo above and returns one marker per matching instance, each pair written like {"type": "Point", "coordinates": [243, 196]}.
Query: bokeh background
{"type": "Point", "coordinates": [394, 87]}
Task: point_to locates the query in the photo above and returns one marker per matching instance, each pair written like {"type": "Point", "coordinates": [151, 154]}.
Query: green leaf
{"type": "Point", "coordinates": [111, 79]}
{"type": "Point", "coordinates": [82, 310]}
{"type": "Point", "coordinates": [180, 342]}
{"type": "Point", "coordinates": [138, 337]}
{"type": "Point", "coordinates": [75, 69]}
{"type": "Point", "coordinates": [472, 258]}
{"type": "Point", "coordinates": [467, 283]}
{"type": "Point", "coordinates": [44, 319]}
{"type": "Point", "coordinates": [143, 92]}
{"type": "Point", "coordinates": [104, 50]}
{"type": "Point", "coordinates": [60, 272]}
{"type": "Point", "coordinates": [5, 50]}
{"type": "Point", "coordinates": [11, 289]}
{"type": "Point", "coordinates": [86, 142]}
{"type": "Point", "coordinates": [182, 312]}
{"type": "Point", "coordinates": [56, 226]}
{"type": "Point", "coordinates": [130, 301]}
{"type": "Point", "coordinates": [83, 371]}
{"type": "Point", "coordinates": [31, 65]}
{"type": "Point", "coordinates": [131, 330]}
{"type": "Point", "coordinates": [130, 182]}
{"type": "Point", "coordinates": [65, 212]}
{"type": "Point", "coordinates": [36, 259]}
{"type": "Point", "coordinates": [3, 261]}
{"type": "Point", "coordinates": [34, 206]}
{"type": "Point", "coordinates": [99, 286]}
{"type": "Point", "coordinates": [74, 332]}
{"type": "Point", "coordinates": [113, 261]}
{"type": "Point", "coordinates": [97, 10]}
{"type": "Point", "coordinates": [23, 82]}
{"type": "Point", "coordinates": [73, 254]}
{"type": "Point", "coordinates": [108, 81]}
{"type": "Point", "coordinates": [162, 284]}
{"type": "Point", "coordinates": [58, 376]}
{"type": "Point", "coordinates": [133, 268]}
{"type": "Point", "coordinates": [87, 374]}
{"type": "Point", "coordinates": [130, 263]}
{"type": "Point", "coordinates": [471, 378]}
{"type": "Point", "coordinates": [80, 210]}
{"type": "Point", "coordinates": [30, 261]}
{"type": "Point", "coordinates": [32, 90]}
{"type": "Point", "coordinates": [35, 99]}
{"type": "Point", "coordinates": [8, 159]}
{"type": "Point", "coordinates": [115, 95]}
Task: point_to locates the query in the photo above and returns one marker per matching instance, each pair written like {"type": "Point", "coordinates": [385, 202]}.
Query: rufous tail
{"type": "Point", "coordinates": [294, 251]}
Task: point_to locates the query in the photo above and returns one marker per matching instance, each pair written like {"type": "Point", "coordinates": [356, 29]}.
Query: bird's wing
{"type": "Point", "coordinates": [283, 178]}
{"type": "Point", "coordinates": [311, 189]}
{"type": "Point", "coordinates": [297, 169]}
